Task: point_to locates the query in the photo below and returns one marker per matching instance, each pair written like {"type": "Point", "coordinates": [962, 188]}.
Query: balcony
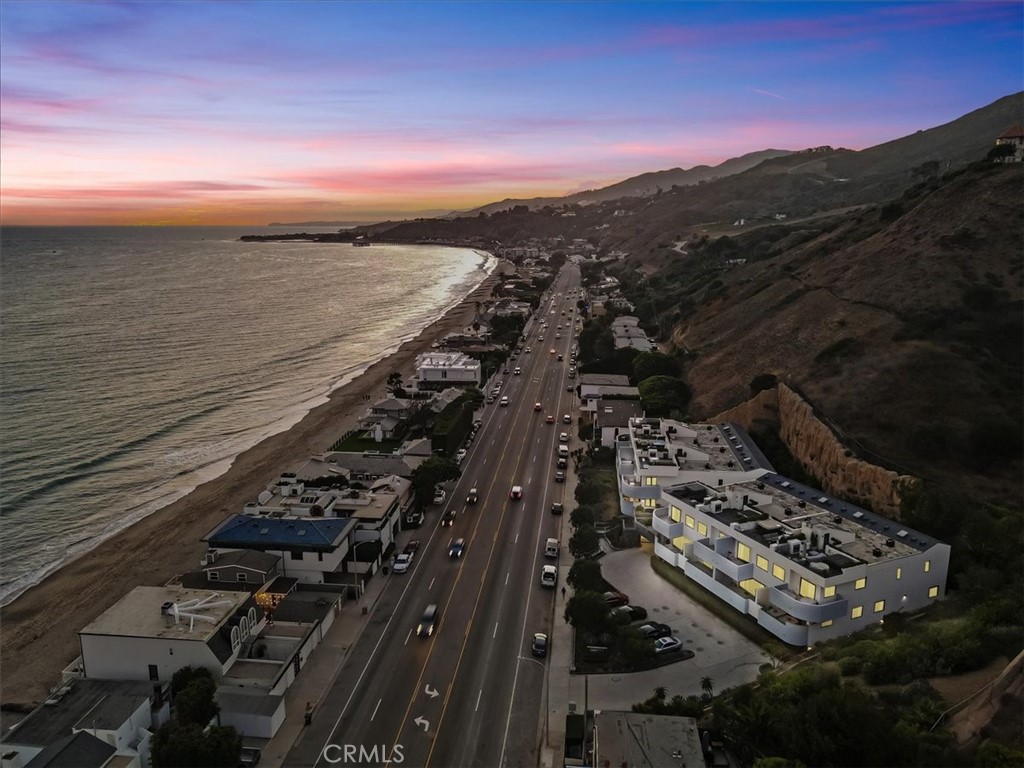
{"type": "Point", "coordinates": [807, 610]}
{"type": "Point", "coordinates": [788, 630]}
{"type": "Point", "coordinates": [733, 568]}
{"type": "Point", "coordinates": [664, 524]}
{"type": "Point", "coordinates": [701, 551]}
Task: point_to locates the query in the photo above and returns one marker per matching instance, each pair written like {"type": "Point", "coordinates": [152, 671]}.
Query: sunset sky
{"type": "Point", "coordinates": [251, 112]}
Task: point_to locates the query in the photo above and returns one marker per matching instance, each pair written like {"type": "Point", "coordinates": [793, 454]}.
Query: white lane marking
{"type": "Point", "coordinates": [407, 638]}
{"type": "Point", "coordinates": [431, 585]}
{"type": "Point", "coordinates": [507, 575]}
{"type": "Point", "coordinates": [478, 697]}
{"type": "Point", "coordinates": [517, 539]}
{"type": "Point", "coordinates": [375, 709]}
{"type": "Point", "coordinates": [495, 630]}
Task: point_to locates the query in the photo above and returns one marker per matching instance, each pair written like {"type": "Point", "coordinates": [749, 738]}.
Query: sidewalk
{"type": "Point", "coordinates": [319, 672]}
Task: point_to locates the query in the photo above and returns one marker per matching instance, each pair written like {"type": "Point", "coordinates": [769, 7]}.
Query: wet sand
{"type": "Point", "coordinates": [39, 630]}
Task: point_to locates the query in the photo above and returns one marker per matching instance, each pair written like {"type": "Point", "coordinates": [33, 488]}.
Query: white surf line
{"type": "Point", "coordinates": [375, 709]}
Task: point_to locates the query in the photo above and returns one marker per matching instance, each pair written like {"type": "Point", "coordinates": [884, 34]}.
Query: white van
{"type": "Point", "coordinates": [551, 548]}
{"type": "Point", "coordinates": [563, 450]}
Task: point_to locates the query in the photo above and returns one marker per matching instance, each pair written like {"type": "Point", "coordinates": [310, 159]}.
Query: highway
{"type": "Point", "coordinates": [471, 694]}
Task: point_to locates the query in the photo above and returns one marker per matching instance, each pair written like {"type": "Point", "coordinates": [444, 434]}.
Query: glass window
{"type": "Point", "coordinates": [650, 481]}
{"type": "Point", "coordinates": [679, 542]}
{"type": "Point", "coordinates": [676, 514]}
{"type": "Point", "coordinates": [214, 576]}
{"type": "Point", "coordinates": [702, 529]}
{"type": "Point", "coordinates": [857, 612]}
{"type": "Point", "coordinates": [762, 562]}
{"type": "Point", "coordinates": [295, 555]}
{"type": "Point", "coordinates": [689, 522]}
{"type": "Point", "coordinates": [826, 623]}
{"type": "Point", "coordinates": [742, 552]}
{"type": "Point", "coordinates": [779, 572]}
{"type": "Point", "coordinates": [751, 585]}
{"type": "Point", "coordinates": [242, 577]}
{"type": "Point", "coordinates": [927, 565]}
{"type": "Point", "coordinates": [879, 606]}
{"type": "Point", "coordinates": [829, 591]}
{"type": "Point", "coordinates": [933, 592]}
{"type": "Point", "coordinates": [860, 583]}
{"type": "Point", "coordinates": [808, 589]}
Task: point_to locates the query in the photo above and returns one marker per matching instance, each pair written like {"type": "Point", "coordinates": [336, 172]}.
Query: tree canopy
{"type": "Point", "coordinates": [661, 395]}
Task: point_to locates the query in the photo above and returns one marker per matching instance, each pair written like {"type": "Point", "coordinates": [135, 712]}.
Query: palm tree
{"type": "Point", "coordinates": [708, 686]}
{"type": "Point", "coordinates": [660, 693]}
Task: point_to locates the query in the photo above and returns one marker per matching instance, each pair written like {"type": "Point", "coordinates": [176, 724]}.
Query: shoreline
{"type": "Point", "coordinates": [39, 628]}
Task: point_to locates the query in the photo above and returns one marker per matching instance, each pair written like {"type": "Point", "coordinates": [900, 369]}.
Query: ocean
{"type": "Point", "coordinates": [137, 362]}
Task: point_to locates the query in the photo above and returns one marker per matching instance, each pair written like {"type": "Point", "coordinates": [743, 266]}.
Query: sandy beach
{"type": "Point", "coordinates": [39, 630]}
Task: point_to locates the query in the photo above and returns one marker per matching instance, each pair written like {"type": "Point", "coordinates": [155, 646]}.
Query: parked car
{"type": "Point", "coordinates": [567, 419]}
{"type": "Point", "coordinates": [563, 437]}
{"type": "Point", "coordinates": [456, 548]}
{"type": "Point", "coordinates": [516, 493]}
{"type": "Point", "coordinates": [249, 757]}
{"type": "Point", "coordinates": [613, 599]}
{"type": "Point", "coordinates": [539, 646]}
{"type": "Point", "coordinates": [562, 462]}
{"type": "Point", "coordinates": [654, 630]}
{"type": "Point", "coordinates": [667, 644]}
{"type": "Point", "coordinates": [557, 508]}
{"type": "Point", "coordinates": [631, 612]}
{"type": "Point", "coordinates": [439, 496]}
{"type": "Point", "coordinates": [412, 546]}
{"type": "Point", "coordinates": [548, 576]}
{"type": "Point", "coordinates": [402, 562]}
{"type": "Point", "coordinates": [428, 622]}
{"type": "Point", "coordinates": [559, 477]}
{"type": "Point", "coordinates": [449, 518]}
{"type": "Point", "coordinates": [473, 496]}
{"type": "Point", "coordinates": [460, 455]}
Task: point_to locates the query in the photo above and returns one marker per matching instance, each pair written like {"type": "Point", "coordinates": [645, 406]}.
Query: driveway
{"type": "Point", "coordinates": [722, 654]}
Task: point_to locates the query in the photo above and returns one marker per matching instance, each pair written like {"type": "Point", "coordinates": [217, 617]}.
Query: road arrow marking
{"type": "Point", "coordinates": [424, 723]}
{"type": "Point", "coordinates": [430, 691]}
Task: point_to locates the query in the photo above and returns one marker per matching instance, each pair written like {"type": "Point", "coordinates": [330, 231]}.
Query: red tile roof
{"type": "Point", "coordinates": [1016, 132]}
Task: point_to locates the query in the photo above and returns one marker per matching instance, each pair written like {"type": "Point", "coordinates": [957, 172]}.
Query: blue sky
{"type": "Point", "coordinates": [245, 112]}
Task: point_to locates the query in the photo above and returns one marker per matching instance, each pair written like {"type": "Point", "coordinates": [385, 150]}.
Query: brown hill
{"type": "Point", "coordinates": [902, 323]}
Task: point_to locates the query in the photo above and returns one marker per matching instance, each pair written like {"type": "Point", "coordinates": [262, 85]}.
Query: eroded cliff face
{"type": "Point", "coordinates": [813, 444]}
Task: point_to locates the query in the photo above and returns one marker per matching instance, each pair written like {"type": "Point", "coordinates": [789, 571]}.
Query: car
{"type": "Point", "coordinates": [562, 462]}
{"type": "Point", "coordinates": [548, 576]}
{"type": "Point", "coordinates": [539, 646]}
{"type": "Point", "coordinates": [477, 423]}
{"type": "Point", "coordinates": [491, 398]}
{"type": "Point", "coordinates": [654, 630]}
{"type": "Point", "coordinates": [506, 371]}
{"type": "Point", "coordinates": [540, 338]}
{"type": "Point", "coordinates": [560, 358]}
{"type": "Point", "coordinates": [428, 622]}
{"type": "Point", "coordinates": [527, 350]}
{"type": "Point", "coordinates": [412, 546]}
{"type": "Point", "coordinates": [517, 371]}
{"type": "Point", "coordinates": [517, 493]}
{"type": "Point", "coordinates": [614, 599]}
{"type": "Point", "coordinates": [504, 401]}
{"type": "Point", "coordinates": [569, 388]}
{"type": "Point", "coordinates": [557, 508]}
{"type": "Point", "coordinates": [402, 562]}
{"type": "Point", "coordinates": [473, 496]}
{"type": "Point", "coordinates": [553, 350]}
{"type": "Point", "coordinates": [567, 419]}
{"type": "Point", "coordinates": [550, 419]}
{"type": "Point", "coordinates": [563, 437]}
{"type": "Point", "coordinates": [538, 407]}
{"type": "Point", "coordinates": [667, 644]}
{"type": "Point", "coordinates": [249, 757]}
{"type": "Point", "coordinates": [439, 496]}
{"type": "Point", "coordinates": [571, 375]}
{"type": "Point", "coordinates": [449, 518]}
{"type": "Point", "coordinates": [558, 335]}
{"type": "Point", "coordinates": [630, 612]}
{"type": "Point", "coordinates": [456, 548]}
{"type": "Point", "coordinates": [559, 477]}
{"type": "Point", "coordinates": [460, 455]}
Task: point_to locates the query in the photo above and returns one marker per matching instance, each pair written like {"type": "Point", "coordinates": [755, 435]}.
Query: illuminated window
{"type": "Point", "coordinates": [779, 572]}
{"type": "Point", "coordinates": [927, 565]}
{"type": "Point", "coordinates": [826, 623]}
{"type": "Point", "coordinates": [679, 542]}
{"type": "Point", "coordinates": [689, 522]}
{"type": "Point", "coordinates": [933, 592]}
{"type": "Point", "coordinates": [751, 585]}
{"type": "Point", "coordinates": [762, 562]}
{"type": "Point", "coordinates": [860, 583]}
{"type": "Point", "coordinates": [702, 529]}
{"type": "Point", "coordinates": [742, 552]}
{"type": "Point", "coordinates": [879, 606]}
{"type": "Point", "coordinates": [650, 481]}
{"type": "Point", "coordinates": [830, 592]}
{"type": "Point", "coordinates": [899, 574]}
{"type": "Point", "coordinates": [676, 514]}
{"type": "Point", "coordinates": [857, 612]}
{"type": "Point", "coordinates": [808, 589]}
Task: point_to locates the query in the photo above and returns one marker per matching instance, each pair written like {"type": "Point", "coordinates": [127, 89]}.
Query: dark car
{"type": "Point", "coordinates": [457, 548]}
{"type": "Point", "coordinates": [449, 518]}
{"type": "Point", "coordinates": [428, 622]}
{"type": "Point", "coordinates": [557, 508]}
{"type": "Point", "coordinates": [559, 477]}
{"type": "Point", "coordinates": [249, 756]}
{"type": "Point", "coordinates": [654, 630]}
{"type": "Point", "coordinates": [562, 462]}
{"type": "Point", "coordinates": [630, 612]}
{"type": "Point", "coordinates": [539, 646]}
{"type": "Point", "coordinates": [614, 599]}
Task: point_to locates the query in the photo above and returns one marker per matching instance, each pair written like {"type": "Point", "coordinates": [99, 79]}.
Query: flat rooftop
{"type": "Point", "coordinates": [646, 741]}
{"type": "Point", "coordinates": [139, 614]}
{"type": "Point", "coordinates": [695, 447]}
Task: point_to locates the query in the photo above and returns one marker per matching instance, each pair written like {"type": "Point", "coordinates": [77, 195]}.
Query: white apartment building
{"type": "Point", "coordinates": [805, 566]}
{"type": "Point", "coordinates": [435, 370]}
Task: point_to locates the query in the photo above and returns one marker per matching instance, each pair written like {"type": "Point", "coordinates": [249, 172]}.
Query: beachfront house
{"type": "Point", "coordinates": [804, 565]}
{"type": "Point", "coordinates": [439, 370]}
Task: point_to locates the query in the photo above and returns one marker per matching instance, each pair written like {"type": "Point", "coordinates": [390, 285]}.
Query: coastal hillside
{"type": "Point", "coordinates": [900, 322]}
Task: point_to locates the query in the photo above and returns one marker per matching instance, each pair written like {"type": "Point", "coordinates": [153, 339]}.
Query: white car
{"type": "Point", "coordinates": [439, 496]}
{"type": "Point", "coordinates": [517, 493]}
{"type": "Point", "coordinates": [402, 562]}
{"type": "Point", "coordinates": [563, 437]}
{"type": "Point", "coordinates": [548, 576]}
{"type": "Point", "coordinates": [567, 419]}
{"type": "Point", "coordinates": [504, 400]}
{"type": "Point", "coordinates": [667, 644]}
{"type": "Point", "coordinates": [460, 455]}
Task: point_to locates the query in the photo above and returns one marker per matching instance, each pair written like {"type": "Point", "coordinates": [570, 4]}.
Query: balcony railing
{"type": "Point", "coordinates": [664, 524]}
{"type": "Point", "coordinates": [805, 609]}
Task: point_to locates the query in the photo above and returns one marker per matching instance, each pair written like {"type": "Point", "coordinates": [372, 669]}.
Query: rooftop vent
{"type": "Point", "coordinates": [876, 552]}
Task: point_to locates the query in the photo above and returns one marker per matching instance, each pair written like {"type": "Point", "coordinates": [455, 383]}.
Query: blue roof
{"type": "Point", "coordinates": [318, 534]}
